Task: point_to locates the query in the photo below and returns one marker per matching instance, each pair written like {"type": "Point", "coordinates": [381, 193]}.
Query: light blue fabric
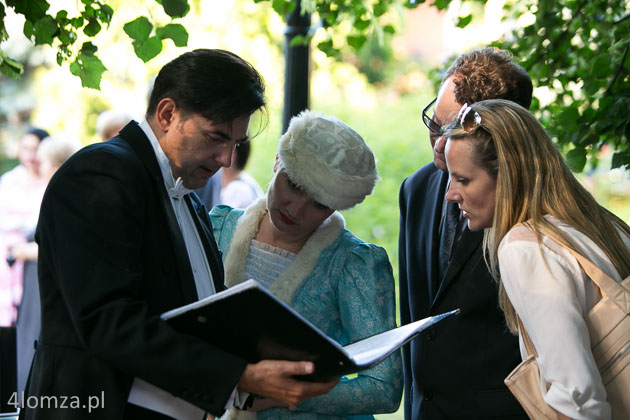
{"type": "Point", "coordinates": [265, 262]}
{"type": "Point", "coordinates": [349, 295]}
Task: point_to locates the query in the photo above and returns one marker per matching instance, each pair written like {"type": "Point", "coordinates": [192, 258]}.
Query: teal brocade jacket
{"type": "Point", "coordinates": [349, 295]}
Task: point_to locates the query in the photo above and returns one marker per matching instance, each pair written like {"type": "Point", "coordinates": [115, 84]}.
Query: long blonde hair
{"type": "Point", "coordinates": [533, 180]}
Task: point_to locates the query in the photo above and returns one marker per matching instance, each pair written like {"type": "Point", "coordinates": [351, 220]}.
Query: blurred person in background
{"type": "Point", "coordinates": [21, 192]}
{"type": "Point", "coordinates": [239, 189]}
{"type": "Point", "coordinates": [110, 122]}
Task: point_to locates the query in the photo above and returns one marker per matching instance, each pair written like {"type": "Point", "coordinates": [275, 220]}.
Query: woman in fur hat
{"type": "Point", "coordinates": [294, 242]}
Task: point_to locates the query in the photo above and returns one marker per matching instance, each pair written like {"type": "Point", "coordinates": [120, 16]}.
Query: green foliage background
{"type": "Point", "coordinates": [575, 50]}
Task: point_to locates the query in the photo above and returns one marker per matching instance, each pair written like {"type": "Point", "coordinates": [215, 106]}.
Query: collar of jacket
{"type": "Point", "coordinates": [285, 286]}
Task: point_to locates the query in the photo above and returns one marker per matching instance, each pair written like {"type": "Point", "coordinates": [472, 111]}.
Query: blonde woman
{"type": "Point", "coordinates": [508, 178]}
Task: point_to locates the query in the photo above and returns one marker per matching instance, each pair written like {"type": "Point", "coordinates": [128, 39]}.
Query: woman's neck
{"type": "Point", "coordinates": [268, 234]}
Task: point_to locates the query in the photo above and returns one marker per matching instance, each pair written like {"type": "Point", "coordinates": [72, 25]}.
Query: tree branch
{"type": "Point", "coordinates": [621, 19]}
{"type": "Point", "coordinates": [619, 69]}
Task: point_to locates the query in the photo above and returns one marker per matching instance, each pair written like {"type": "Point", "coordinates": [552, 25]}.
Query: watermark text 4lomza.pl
{"type": "Point", "coordinates": [58, 401]}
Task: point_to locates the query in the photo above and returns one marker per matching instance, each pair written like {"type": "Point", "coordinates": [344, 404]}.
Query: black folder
{"type": "Point", "coordinates": [248, 321]}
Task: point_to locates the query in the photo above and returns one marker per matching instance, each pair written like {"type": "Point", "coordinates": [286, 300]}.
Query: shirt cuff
{"type": "Point", "coordinates": [237, 399]}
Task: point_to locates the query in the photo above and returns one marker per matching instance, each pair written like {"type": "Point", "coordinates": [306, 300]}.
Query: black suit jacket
{"type": "Point", "coordinates": [111, 260]}
{"type": "Point", "coordinates": [456, 369]}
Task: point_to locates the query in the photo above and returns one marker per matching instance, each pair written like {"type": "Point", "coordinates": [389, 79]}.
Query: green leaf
{"type": "Point", "coordinates": [601, 68]}
{"type": "Point", "coordinates": [106, 13]}
{"type": "Point", "coordinates": [76, 22]}
{"type": "Point", "coordinates": [148, 49]}
{"type": "Point", "coordinates": [463, 21]}
{"type": "Point", "coordinates": [380, 9]}
{"type": "Point", "coordinates": [89, 12]}
{"type": "Point", "coordinates": [441, 4]}
{"type": "Point", "coordinates": [328, 48]}
{"type": "Point", "coordinates": [361, 24]}
{"type": "Point", "coordinates": [283, 7]}
{"type": "Point", "coordinates": [138, 29]}
{"type": "Point", "coordinates": [44, 30]}
{"type": "Point", "coordinates": [3, 32]}
{"type": "Point", "coordinates": [299, 41]}
{"type": "Point", "coordinates": [29, 30]}
{"type": "Point", "coordinates": [389, 29]}
{"type": "Point", "coordinates": [33, 10]}
{"type": "Point", "coordinates": [88, 48]}
{"type": "Point", "coordinates": [61, 16]}
{"type": "Point", "coordinates": [92, 28]}
{"type": "Point", "coordinates": [576, 159]}
{"type": "Point", "coordinates": [89, 69]}
{"type": "Point", "coordinates": [176, 8]}
{"type": "Point", "coordinates": [356, 41]}
{"type": "Point", "coordinates": [621, 158]}
{"type": "Point", "coordinates": [67, 37]}
{"type": "Point", "coordinates": [568, 117]}
{"type": "Point", "coordinates": [9, 66]}
{"type": "Point", "coordinates": [173, 31]}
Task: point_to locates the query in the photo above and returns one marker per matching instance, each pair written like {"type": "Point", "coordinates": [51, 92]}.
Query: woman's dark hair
{"type": "Point", "coordinates": [40, 133]}
{"type": "Point", "coordinates": [217, 84]}
{"type": "Point", "coordinates": [242, 155]}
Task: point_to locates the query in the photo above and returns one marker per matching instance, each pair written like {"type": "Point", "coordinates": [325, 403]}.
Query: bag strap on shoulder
{"type": "Point", "coordinates": [616, 291]}
{"type": "Point", "coordinates": [613, 289]}
{"type": "Point", "coordinates": [529, 346]}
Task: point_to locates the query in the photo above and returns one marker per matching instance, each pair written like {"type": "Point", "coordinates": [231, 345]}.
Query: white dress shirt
{"type": "Point", "coordinates": [143, 393]}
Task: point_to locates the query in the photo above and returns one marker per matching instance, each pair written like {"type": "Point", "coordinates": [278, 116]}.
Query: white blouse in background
{"type": "Point", "coordinates": [552, 300]}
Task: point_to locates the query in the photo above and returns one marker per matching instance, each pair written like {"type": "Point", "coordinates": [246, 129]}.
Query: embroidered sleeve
{"type": "Point", "coordinates": [367, 307]}
{"type": "Point", "coordinates": [223, 219]}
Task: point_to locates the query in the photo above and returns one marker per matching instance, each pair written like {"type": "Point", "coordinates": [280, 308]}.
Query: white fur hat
{"type": "Point", "coordinates": [328, 159]}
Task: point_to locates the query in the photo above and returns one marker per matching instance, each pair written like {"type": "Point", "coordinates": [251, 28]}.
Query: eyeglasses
{"type": "Point", "coordinates": [468, 121]}
{"type": "Point", "coordinates": [433, 127]}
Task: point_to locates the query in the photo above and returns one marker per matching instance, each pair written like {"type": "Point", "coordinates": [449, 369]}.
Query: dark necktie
{"type": "Point", "coordinates": [447, 236]}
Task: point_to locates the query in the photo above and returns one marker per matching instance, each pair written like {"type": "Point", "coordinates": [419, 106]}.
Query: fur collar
{"type": "Point", "coordinates": [293, 276]}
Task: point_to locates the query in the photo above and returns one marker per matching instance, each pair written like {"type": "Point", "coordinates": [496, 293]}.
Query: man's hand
{"type": "Point", "coordinates": [261, 404]}
{"type": "Point", "coordinates": [274, 379]}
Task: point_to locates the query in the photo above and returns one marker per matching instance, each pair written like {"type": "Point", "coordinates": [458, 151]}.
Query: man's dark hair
{"type": "Point", "coordinates": [217, 84]}
{"type": "Point", "coordinates": [490, 73]}
{"type": "Point", "coordinates": [242, 155]}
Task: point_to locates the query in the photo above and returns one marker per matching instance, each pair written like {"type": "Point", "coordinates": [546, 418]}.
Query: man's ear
{"type": "Point", "coordinates": [165, 113]}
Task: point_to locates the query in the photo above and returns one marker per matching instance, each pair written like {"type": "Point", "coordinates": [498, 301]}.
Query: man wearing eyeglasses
{"type": "Point", "coordinates": [456, 369]}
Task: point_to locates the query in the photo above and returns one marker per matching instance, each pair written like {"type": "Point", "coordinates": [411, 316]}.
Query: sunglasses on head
{"type": "Point", "coordinates": [468, 119]}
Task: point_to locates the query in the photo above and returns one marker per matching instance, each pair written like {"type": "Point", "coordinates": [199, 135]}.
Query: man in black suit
{"type": "Point", "coordinates": [456, 369]}
{"type": "Point", "coordinates": [122, 239]}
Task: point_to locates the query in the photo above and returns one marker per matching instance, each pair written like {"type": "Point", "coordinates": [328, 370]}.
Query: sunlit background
{"type": "Point", "coordinates": [379, 92]}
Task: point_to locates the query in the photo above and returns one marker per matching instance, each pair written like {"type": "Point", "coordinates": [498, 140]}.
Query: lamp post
{"type": "Point", "coordinates": [297, 67]}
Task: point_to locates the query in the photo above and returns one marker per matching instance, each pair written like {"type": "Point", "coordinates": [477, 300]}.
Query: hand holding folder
{"type": "Point", "coordinates": [248, 321]}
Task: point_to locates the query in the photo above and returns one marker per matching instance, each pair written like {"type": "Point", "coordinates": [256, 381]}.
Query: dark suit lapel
{"type": "Point", "coordinates": [202, 222]}
{"type": "Point", "coordinates": [439, 184]}
{"type": "Point", "coordinates": [136, 138]}
{"type": "Point", "coordinates": [469, 242]}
